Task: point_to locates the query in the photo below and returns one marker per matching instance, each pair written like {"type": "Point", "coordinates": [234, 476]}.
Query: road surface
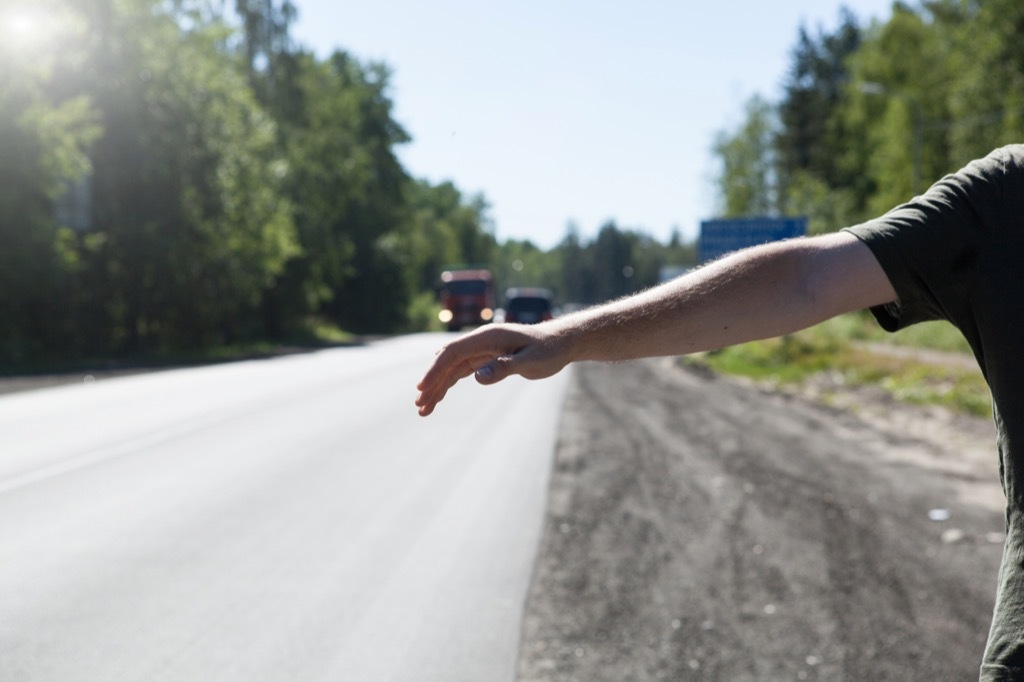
{"type": "Point", "coordinates": [293, 520]}
{"type": "Point", "coordinates": [285, 519]}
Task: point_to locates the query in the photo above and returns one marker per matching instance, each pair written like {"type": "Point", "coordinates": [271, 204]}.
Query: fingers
{"type": "Point", "coordinates": [435, 384]}
{"type": "Point", "coordinates": [453, 358]}
{"type": "Point", "coordinates": [480, 353]}
{"type": "Point", "coordinates": [492, 354]}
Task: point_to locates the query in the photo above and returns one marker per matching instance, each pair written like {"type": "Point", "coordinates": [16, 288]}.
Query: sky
{"type": "Point", "coordinates": [574, 112]}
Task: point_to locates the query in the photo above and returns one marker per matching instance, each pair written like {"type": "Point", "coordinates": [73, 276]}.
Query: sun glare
{"type": "Point", "coordinates": [23, 26]}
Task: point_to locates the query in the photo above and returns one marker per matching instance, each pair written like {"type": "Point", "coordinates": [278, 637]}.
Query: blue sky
{"type": "Point", "coordinates": [560, 111]}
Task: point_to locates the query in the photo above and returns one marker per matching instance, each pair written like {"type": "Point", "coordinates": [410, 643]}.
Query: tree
{"type": "Point", "coordinates": [188, 212]}
{"type": "Point", "coordinates": [270, 58]}
{"type": "Point", "coordinates": [350, 196]}
{"type": "Point", "coordinates": [747, 180]}
{"type": "Point", "coordinates": [447, 229]}
{"type": "Point", "coordinates": [577, 281]}
{"type": "Point", "coordinates": [45, 138]}
{"type": "Point", "coordinates": [986, 99]}
{"type": "Point", "coordinates": [811, 136]}
{"type": "Point", "coordinates": [613, 263]}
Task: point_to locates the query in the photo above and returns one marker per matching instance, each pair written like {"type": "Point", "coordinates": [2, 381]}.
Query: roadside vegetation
{"type": "Point", "coordinates": [928, 364]}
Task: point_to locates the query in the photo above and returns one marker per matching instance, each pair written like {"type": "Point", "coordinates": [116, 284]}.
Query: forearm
{"type": "Point", "coordinates": [758, 293]}
{"type": "Point", "coordinates": [754, 294]}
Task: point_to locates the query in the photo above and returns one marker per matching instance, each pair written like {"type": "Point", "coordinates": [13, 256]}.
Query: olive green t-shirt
{"type": "Point", "coordinates": [957, 254]}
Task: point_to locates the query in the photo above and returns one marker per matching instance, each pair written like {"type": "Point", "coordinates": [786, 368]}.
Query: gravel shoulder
{"type": "Point", "coordinates": [702, 528]}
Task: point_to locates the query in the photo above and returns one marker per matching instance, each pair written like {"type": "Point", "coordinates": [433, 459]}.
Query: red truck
{"type": "Point", "coordinates": [467, 298]}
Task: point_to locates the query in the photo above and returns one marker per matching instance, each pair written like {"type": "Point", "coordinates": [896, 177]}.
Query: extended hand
{"type": "Point", "coordinates": [493, 353]}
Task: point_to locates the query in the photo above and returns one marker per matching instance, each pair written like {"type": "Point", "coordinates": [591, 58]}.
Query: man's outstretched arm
{"type": "Point", "coordinates": [758, 293]}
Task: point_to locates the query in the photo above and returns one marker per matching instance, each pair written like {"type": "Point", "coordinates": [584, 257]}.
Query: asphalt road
{"type": "Point", "coordinates": [285, 519]}
{"type": "Point", "coordinates": [699, 529]}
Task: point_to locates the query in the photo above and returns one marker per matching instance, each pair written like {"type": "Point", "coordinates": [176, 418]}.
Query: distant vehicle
{"type": "Point", "coordinates": [528, 305]}
{"type": "Point", "coordinates": [467, 298]}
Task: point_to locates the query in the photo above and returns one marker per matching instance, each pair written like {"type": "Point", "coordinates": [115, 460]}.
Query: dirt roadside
{"type": "Point", "coordinates": [705, 529]}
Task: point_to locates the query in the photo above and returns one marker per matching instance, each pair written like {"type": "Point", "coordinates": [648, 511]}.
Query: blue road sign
{"type": "Point", "coordinates": [722, 236]}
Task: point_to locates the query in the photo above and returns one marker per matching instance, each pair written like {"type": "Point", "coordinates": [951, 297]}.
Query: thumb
{"type": "Point", "coordinates": [495, 370]}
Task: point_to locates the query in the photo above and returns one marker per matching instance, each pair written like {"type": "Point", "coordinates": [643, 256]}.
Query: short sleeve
{"type": "Point", "coordinates": [929, 248]}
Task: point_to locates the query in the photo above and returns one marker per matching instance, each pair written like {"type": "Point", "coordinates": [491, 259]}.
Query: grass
{"type": "Point", "coordinates": [842, 347]}
{"type": "Point", "coordinates": [312, 333]}
{"type": "Point", "coordinates": [317, 330]}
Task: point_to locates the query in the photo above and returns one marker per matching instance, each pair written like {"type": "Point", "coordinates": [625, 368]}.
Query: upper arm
{"type": "Point", "coordinates": [846, 276]}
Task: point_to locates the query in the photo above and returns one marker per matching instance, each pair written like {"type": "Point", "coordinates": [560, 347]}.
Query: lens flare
{"type": "Point", "coordinates": [20, 23]}
{"type": "Point", "coordinates": [23, 27]}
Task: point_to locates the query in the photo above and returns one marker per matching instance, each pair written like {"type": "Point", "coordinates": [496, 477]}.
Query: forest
{"type": "Point", "coordinates": [183, 178]}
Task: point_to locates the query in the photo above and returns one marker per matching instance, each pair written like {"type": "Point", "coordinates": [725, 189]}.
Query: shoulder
{"type": "Point", "coordinates": [962, 208]}
{"type": "Point", "coordinates": [996, 184]}
{"type": "Point", "coordinates": [1002, 165]}
{"type": "Point", "coordinates": [1009, 156]}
